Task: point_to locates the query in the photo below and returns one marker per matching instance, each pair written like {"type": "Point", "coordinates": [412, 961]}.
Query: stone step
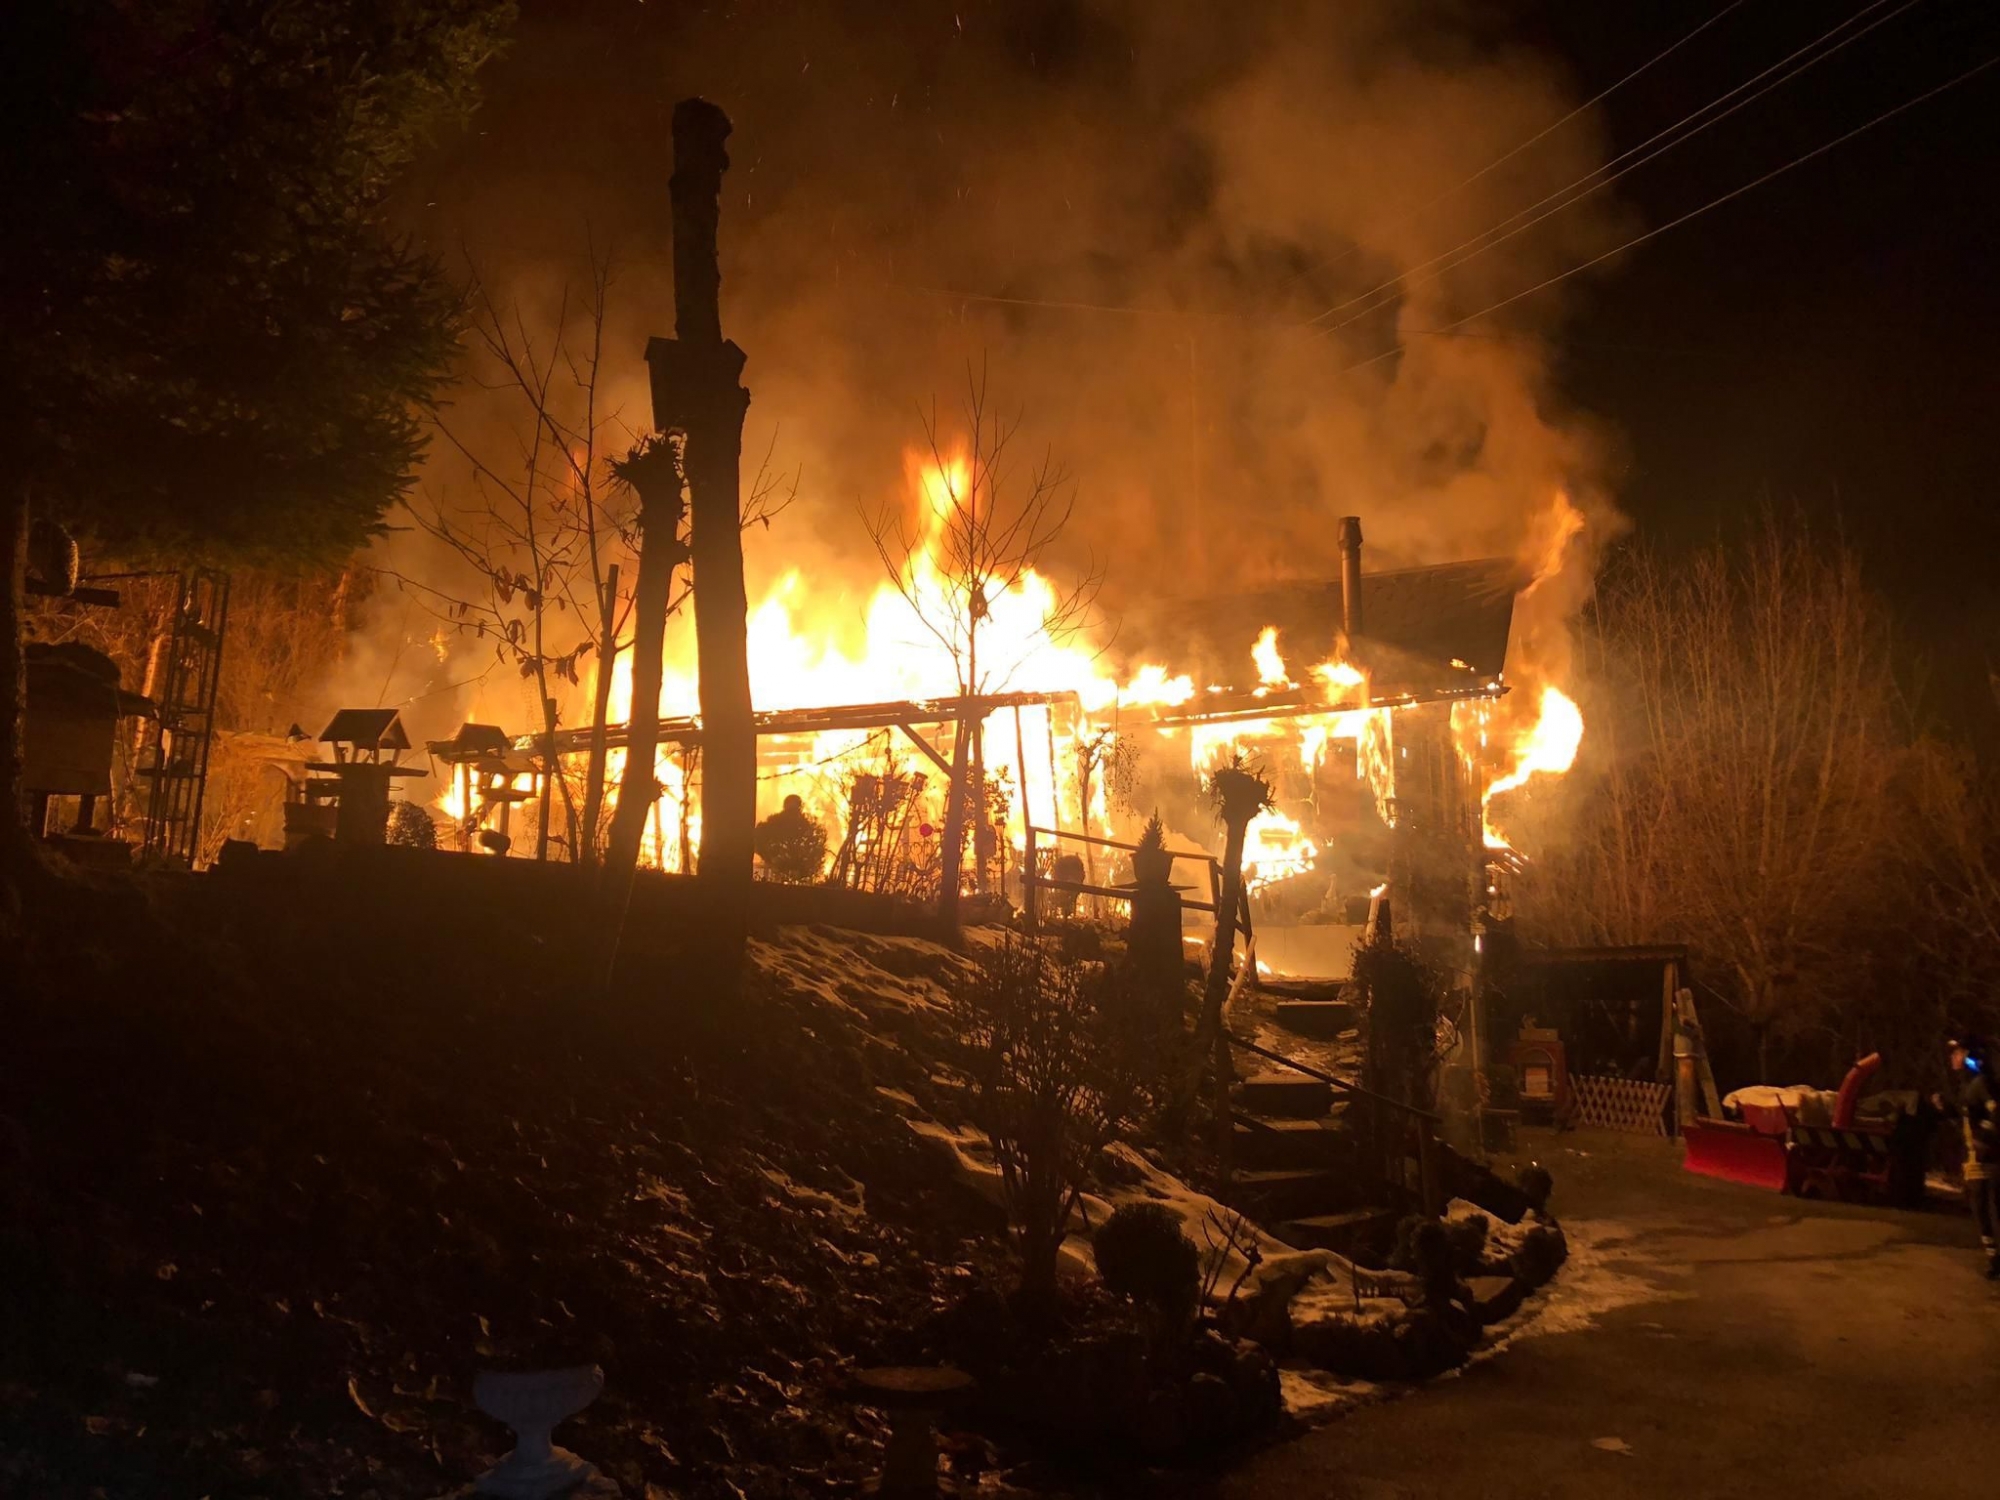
{"type": "Point", "coordinates": [1284, 1093]}
{"type": "Point", "coordinates": [1321, 1019]}
{"type": "Point", "coordinates": [1272, 1196]}
{"type": "Point", "coordinates": [1272, 1145]}
{"type": "Point", "coordinates": [1358, 1229]}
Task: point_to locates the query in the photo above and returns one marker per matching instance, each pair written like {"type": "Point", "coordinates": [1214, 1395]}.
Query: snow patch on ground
{"type": "Point", "coordinates": [1594, 1281]}
{"type": "Point", "coordinates": [1331, 1294]}
{"type": "Point", "coordinates": [969, 1153]}
{"type": "Point", "coordinates": [1315, 1396]}
{"type": "Point", "coordinates": [858, 974]}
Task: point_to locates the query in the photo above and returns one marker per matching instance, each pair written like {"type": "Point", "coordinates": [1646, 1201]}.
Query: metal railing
{"type": "Point", "coordinates": [1033, 881]}
{"type": "Point", "coordinates": [1423, 1121]}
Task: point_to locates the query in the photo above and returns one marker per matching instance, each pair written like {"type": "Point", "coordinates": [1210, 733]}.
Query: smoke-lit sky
{"type": "Point", "coordinates": [1131, 211]}
{"type": "Point", "coordinates": [1127, 212]}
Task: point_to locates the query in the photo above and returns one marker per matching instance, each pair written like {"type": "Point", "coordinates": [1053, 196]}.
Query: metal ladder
{"type": "Point", "coordinates": [185, 727]}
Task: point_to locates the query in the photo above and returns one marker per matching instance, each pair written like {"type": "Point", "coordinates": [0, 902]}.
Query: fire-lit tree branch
{"type": "Point", "coordinates": [984, 527]}
{"type": "Point", "coordinates": [537, 532]}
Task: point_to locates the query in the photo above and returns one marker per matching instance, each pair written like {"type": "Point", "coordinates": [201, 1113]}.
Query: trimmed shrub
{"type": "Point", "coordinates": [1144, 1254]}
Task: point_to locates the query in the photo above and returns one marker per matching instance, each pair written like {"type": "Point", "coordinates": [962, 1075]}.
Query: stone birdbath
{"type": "Point", "coordinates": [534, 1403]}
{"type": "Point", "coordinates": [913, 1396]}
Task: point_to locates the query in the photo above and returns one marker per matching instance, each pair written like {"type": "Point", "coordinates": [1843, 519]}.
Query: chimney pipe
{"type": "Point", "coordinates": [1350, 577]}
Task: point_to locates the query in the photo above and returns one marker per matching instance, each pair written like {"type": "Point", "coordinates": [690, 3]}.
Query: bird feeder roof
{"type": "Point", "coordinates": [367, 728]}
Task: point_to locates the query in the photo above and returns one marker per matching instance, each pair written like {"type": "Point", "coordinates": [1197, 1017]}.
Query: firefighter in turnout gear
{"type": "Point", "coordinates": [1973, 1105]}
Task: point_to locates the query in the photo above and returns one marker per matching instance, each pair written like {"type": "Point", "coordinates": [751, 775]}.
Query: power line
{"type": "Point", "coordinates": [1539, 136]}
{"type": "Point", "coordinates": [1071, 305]}
{"type": "Point", "coordinates": [1693, 213]}
{"type": "Point", "coordinates": [1676, 134]}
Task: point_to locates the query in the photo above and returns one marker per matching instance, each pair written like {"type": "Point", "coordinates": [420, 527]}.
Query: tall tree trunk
{"type": "Point", "coordinates": [951, 853]}
{"type": "Point", "coordinates": [549, 776]}
{"type": "Point", "coordinates": [982, 815]}
{"type": "Point", "coordinates": [607, 663]}
{"type": "Point", "coordinates": [714, 405]}
{"type": "Point", "coordinates": [554, 783]}
{"type": "Point", "coordinates": [950, 870]}
{"type": "Point", "coordinates": [660, 551]}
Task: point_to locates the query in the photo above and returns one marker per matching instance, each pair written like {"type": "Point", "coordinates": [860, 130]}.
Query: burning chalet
{"type": "Point", "coordinates": [1365, 701]}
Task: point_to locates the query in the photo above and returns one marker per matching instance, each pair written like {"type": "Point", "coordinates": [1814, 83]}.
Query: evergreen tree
{"type": "Point", "coordinates": [216, 348]}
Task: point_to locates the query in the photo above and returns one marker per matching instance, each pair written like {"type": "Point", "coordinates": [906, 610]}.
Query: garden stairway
{"type": "Point", "coordinates": [1295, 1167]}
{"type": "Point", "coordinates": [1314, 1008]}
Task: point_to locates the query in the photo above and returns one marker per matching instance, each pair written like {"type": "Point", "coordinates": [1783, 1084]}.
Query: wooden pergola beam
{"type": "Point", "coordinates": [927, 747]}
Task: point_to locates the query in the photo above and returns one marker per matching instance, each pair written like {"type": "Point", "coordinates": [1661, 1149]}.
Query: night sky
{"type": "Point", "coordinates": [1829, 339]}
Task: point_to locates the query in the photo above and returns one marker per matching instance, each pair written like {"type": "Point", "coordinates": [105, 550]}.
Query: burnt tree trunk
{"type": "Point", "coordinates": [696, 390]}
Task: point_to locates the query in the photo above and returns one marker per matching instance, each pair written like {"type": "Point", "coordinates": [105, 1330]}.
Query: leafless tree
{"type": "Point", "coordinates": [1062, 1053]}
{"type": "Point", "coordinates": [539, 528]}
{"type": "Point", "coordinates": [991, 525]}
{"type": "Point", "coordinates": [1750, 744]}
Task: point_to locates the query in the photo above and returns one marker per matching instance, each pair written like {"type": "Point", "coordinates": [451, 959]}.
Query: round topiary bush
{"type": "Point", "coordinates": [1143, 1254]}
{"type": "Point", "coordinates": [1540, 1255]}
{"type": "Point", "coordinates": [1536, 1182]}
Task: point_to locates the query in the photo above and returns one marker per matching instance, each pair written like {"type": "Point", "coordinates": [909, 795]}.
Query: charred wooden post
{"type": "Point", "coordinates": [1154, 940]}
{"type": "Point", "coordinates": [1031, 904]}
{"type": "Point", "coordinates": [696, 391]}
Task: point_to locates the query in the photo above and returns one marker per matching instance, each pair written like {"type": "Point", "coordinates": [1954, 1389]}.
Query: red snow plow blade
{"type": "Point", "coordinates": [1735, 1153]}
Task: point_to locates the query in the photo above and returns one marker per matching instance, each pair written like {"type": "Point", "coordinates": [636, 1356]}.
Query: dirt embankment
{"type": "Point", "coordinates": [285, 1164]}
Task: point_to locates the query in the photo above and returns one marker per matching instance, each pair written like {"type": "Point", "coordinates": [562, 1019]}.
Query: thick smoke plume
{"type": "Point", "coordinates": [1127, 212]}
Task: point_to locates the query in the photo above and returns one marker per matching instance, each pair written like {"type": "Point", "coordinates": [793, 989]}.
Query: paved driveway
{"type": "Point", "coordinates": [1705, 1341]}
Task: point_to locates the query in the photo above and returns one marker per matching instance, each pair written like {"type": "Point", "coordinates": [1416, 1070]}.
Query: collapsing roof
{"type": "Point", "coordinates": [1423, 629]}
